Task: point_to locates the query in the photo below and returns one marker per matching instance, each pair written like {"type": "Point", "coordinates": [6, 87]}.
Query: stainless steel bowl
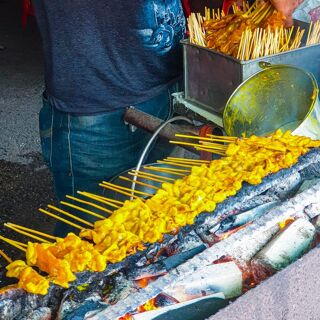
{"type": "Point", "coordinates": [281, 96]}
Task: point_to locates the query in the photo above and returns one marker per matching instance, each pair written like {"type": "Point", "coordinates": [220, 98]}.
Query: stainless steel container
{"type": "Point", "coordinates": [211, 77]}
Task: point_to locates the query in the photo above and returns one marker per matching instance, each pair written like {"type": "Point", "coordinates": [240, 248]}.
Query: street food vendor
{"type": "Point", "coordinates": [100, 58]}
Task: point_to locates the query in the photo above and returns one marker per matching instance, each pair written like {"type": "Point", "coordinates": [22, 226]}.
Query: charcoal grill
{"type": "Point", "coordinates": [205, 264]}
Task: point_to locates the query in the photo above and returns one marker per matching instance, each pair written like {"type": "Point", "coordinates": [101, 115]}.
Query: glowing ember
{"type": "Point", "coordinates": [223, 259]}
{"type": "Point", "coordinates": [145, 280]}
{"type": "Point", "coordinates": [150, 305]}
{"type": "Point", "coordinates": [285, 223]}
{"type": "Point", "coordinates": [229, 233]}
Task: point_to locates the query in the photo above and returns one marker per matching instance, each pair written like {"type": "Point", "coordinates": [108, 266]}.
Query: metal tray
{"type": "Point", "coordinates": [211, 77]}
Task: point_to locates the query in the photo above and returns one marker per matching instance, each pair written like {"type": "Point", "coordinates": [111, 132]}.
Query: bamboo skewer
{"type": "Point", "coordinates": [33, 231]}
{"type": "Point", "coordinates": [96, 197]}
{"type": "Point", "coordinates": [210, 139]}
{"type": "Point", "coordinates": [224, 137]}
{"type": "Point", "coordinates": [186, 160]}
{"type": "Point", "coordinates": [4, 256]}
{"type": "Point", "coordinates": [197, 34]}
{"type": "Point", "coordinates": [169, 168]}
{"type": "Point", "coordinates": [263, 42]}
{"type": "Point", "coordinates": [309, 32]}
{"type": "Point", "coordinates": [176, 164]}
{"type": "Point", "coordinates": [65, 213]}
{"type": "Point", "coordinates": [61, 219]}
{"type": "Point", "coordinates": [191, 163]}
{"type": "Point", "coordinates": [127, 189]}
{"type": "Point", "coordinates": [195, 145]}
{"type": "Point", "coordinates": [212, 146]}
{"type": "Point", "coordinates": [314, 33]}
{"type": "Point", "coordinates": [139, 182]}
{"type": "Point", "coordinates": [105, 202]}
{"type": "Point", "coordinates": [153, 175]}
{"type": "Point", "coordinates": [13, 243]}
{"type": "Point", "coordinates": [21, 244]}
{"type": "Point", "coordinates": [142, 176]}
{"type": "Point", "coordinates": [70, 205]}
{"type": "Point", "coordinates": [119, 191]}
{"type": "Point", "coordinates": [211, 151]}
{"type": "Point", "coordinates": [92, 204]}
{"type": "Point", "coordinates": [26, 233]}
{"type": "Point", "coordinates": [219, 146]}
{"type": "Point", "coordinates": [99, 199]}
{"type": "Point", "coordinates": [163, 170]}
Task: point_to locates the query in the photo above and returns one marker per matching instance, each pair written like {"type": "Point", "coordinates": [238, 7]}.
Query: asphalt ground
{"type": "Point", "coordinates": [25, 183]}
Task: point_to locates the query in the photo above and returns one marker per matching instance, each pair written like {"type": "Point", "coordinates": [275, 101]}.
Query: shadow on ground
{"type": "Point", "coordinates": [24, 188]}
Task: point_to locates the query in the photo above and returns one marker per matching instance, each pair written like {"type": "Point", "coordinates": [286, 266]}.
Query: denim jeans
{"type": "Point", "coordinates": [81, 151]}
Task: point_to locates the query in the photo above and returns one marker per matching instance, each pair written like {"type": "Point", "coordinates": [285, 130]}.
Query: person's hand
{"type": "Point", "coordinates": [287, 7]}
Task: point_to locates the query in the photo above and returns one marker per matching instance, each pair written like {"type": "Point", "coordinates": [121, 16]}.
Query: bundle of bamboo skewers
{"type": "Point", "coordinates": [314, 33]}
{"type": "Point", "coordinates": [248, 33]}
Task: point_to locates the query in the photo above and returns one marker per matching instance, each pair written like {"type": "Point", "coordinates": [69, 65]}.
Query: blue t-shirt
{"type": "Point", "coordinates": [103, 55]}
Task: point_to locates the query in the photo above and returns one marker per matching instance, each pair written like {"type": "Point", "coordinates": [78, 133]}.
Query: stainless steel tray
{"type": "Point", "coordinates": [211, 77]}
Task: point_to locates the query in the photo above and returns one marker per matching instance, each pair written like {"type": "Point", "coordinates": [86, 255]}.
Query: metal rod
{"type": "Point", "coordinates": [154, 136]}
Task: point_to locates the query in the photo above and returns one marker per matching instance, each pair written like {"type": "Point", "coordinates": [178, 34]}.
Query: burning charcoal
{"type": "Point", "coordinates": [160, 301]}
{"type": "Point", "coordinates": [70, 310]}
{"type": "Point", "coordinates": [39, 314]}
{"type": "Point", "coordinates": [241, 219]}
{"type": "Point", "coordinates": [181, 249]}
{"type": "Point", "coordinates": [170, 246]}
{"type": "Point", "coordinates": [16, 303]}
{"type": "Point", "coordinates": [163, 300]}
{"type": "Point", "coordinates": [308, 184]}
{"type": "Point", "coordinates": [316, 222]}
{"type": "Point", "coordinates": [117, 288]}
{"type": "Point", "coordinates": [311, 172]}
{"type": "Point", "coordinates": [188, 242]}
{"type": "Point", "coordinates": [144, 281]}
{"type": "Point", "coordinates": [287, 246]}
{"type": "Point", "coordinates": [242, 246]}
{"type": "Point", "coordinates": [257, 201]}
{"type": "Point", "coordinates": [153, 251]}
{"type": "Point", "coordinates": [199, 309]}
{"type": "Point", "coordinates": [153, 270]}
{"type": "Point", "coordinates": [176, 260]}
{"type": "Point", "coordinates": [286, 189]}
{"type": "Point", "coordinates": [309, 162]}
{"type": "Point", "coordinates": [312, 210]}
{"type": "Point", "coordinates": [223, 277]}
{"type": "Point", "coordinates": [88, 283]}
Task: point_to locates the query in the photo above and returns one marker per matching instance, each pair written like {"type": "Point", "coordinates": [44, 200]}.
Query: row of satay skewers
{"type": "Point", "coordinates": [190, 187]}
{"type": "Point", "coordinates": [249, 33]}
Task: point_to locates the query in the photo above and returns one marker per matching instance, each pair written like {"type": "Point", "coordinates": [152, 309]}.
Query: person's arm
{"type": "Point", "coordinates": [287, 7]}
